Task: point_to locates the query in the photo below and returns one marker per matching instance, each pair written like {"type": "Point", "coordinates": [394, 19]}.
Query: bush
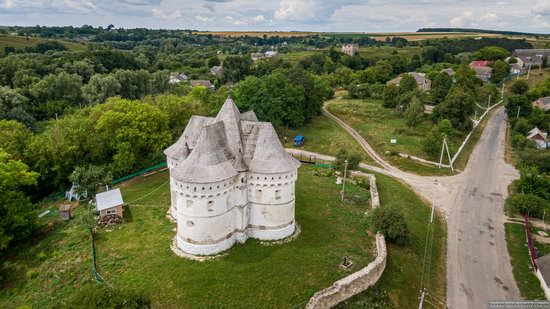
{"type": "Point", "coordinates": [392, 223]}
{"type": "Point", "coordinates": [520, 87]}
{"type": "Point", "coordinates": [528, 204]}
{"type": "Point", "coordinates": [108, 298]}
{"type": "Point", "coordinates": [362, 182]}
{"type": "Point", "coordinates": [353, 160]}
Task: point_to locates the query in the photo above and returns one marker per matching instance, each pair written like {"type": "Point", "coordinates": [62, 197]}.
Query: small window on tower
{"type": "Point", "coordinates": [189, 204]}
{"type": "Point", "coordinates": [277, 194]}
{"type": "Point", "coordinates": [210, 206]}
{"type": "Point", "coordinates": [258, 194]}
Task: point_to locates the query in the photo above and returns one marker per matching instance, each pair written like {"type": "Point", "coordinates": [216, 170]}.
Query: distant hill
{"type": "Point", "coordinates": [478, 31]}
{"type": "Point", "coordinates": [19, 42]}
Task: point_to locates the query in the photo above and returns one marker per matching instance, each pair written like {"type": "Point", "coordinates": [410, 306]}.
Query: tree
{"type": "Point", "coordinates": [500, 70]}
{"type": "Point", "coordinates": [529, 204]}
{"type": "Point", "coordinates": [518, 104]}
{"type": "Point", "coordinates": [344, 154]}
{"type": "Point", "coordinates": [392, 223]}
{"type": "Point", "coordinates": [491, 53]}
{"type": "Point", "coordinates": [382, 71]}
{"type": "Point", "coordinates": [457, 108]}
{"type": "Point", "coordinates": [413, 114]}
{"type": "Point", "coordinates": [434, 140]}
{"type": "Point", "coordinates": [90, 177]}
{"type": "Point", "coordinates": [236, 68]}
{"type": "Point", "coordinates": [17, 218]}
{"type": "Point", "coordinates": [100, 88]}
{"type": "Point", "coordinates": [213, 61]}
{"type": "Point", "coordinates": [391, 96]}
{"type": "Point", "coordinates": [520, 87]}
{"type": "Point", "coordinates": [14, 136]}
{"type": "Point", "coordinates": [133, 84]}
{"type": "Point", "coordinates": [441, 85]}
{"type": "Point", "coordinates": [407, 84]}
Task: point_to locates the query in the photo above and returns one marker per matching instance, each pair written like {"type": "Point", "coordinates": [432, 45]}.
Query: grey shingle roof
{"type": "Point", "coordinates": [214, 149]}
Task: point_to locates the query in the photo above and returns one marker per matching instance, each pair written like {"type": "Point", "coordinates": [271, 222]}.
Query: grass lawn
{"type": "Point", "coordinates": [325, 136]}
{"type": "Point", "coordinates": [378, 125]}
{"type": "Point", "coordinates": [402, 277]}
{"type": "Point", "coordinates": [534, 79]}
{"type": "Point", "coordinates": [19, 42]}
{"type": "Point", "coordinates": [385, 52]}
{"type": "Point", "coordinates": [528, 283]}
{"type": "Point", "coordinates": [137, 254]}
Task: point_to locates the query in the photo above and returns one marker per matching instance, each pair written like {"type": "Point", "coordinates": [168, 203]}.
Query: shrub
{"type": "Point", "coordinates": [94, 296]}
{"type": "Point", "coordinates": [31, 274]}
{"type": "Point", "coordinates": [520, 87]}
{"type": "Point", "coordinates": [362, 182]}
{"type": "Point", "coordinates": [353, 160]}
{"type": "Point", "coordinates": [528, 204]}
{"type": "Point", "coordinates": [392, 223]}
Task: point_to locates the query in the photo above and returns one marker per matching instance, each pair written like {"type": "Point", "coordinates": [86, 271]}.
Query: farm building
{"type": "Point", "coordinates": [539, 137]}
{"type": "Point", "coordinates": [65, 212]}
{"type": "Point", "coordinates": [421, 80]}
{"type": "Point", "coordinates": [203, 83]}
{"type": "Point", "coordinates": [542, 103]}
{"type": "Point", "coordinates": [176, 78]}
{"type": "Point", "coordinates": [350, 49]}
{"type": "Point", "coordinates": [109, 203]}
{"type": "Point", "coordinates": [257, 56]}
{"type": "Point", "coordinates": [230, 179]}
{"type": "Point", "coordinates": [531, 57]}
{"type": "Point", "coordinates": [216, 70]}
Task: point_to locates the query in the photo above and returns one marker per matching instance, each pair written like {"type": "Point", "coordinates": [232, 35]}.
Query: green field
{"type": "Point", "coordinates": [325, 136]}
{"type": "Point", "coordinates": [19, 42]}
{"type": "Point", "coordinates": [402, 277]}
{"type": "Point", "coordinates": [46, 271]}
{"type": "Point", "coordinates": [534, 79]}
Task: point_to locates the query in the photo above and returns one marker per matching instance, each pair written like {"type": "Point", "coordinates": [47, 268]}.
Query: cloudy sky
{"type": "Point", "coordinates": [311, 15]}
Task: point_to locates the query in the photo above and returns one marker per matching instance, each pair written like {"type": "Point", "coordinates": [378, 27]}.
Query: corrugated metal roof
{"type": "Point", "coordinates": [108, 199]}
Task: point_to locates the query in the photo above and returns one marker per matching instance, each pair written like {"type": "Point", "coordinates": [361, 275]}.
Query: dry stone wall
{"type": "Point", "coordinates": [358, 281]}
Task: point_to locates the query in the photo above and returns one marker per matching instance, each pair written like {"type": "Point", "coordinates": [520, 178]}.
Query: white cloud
{"type": "Point", "coordinates": [159, 13]}
{"type": "Point", "coordinates": [204, 19]}
{"type": "Point", "coordinates": [259, 18]}
{"type": "Point", "coordinates": [8, 4]}
{"type": "Point", "coordinates": [541, 8]}
{"type": "Point", "coordinates": [295, 10]}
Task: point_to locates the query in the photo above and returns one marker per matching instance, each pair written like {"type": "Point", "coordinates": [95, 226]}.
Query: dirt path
{"type": "Point", "coordinates": [478, 264]}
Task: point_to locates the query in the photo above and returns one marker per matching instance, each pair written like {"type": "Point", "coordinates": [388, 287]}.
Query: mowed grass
{"type": "Point", "coordinates": [325, 136]}
{"type": "Point", "coordinates": [402, 278]}
{"type": "Point", "coordinates": [535, 78]}
{"type": "Point", "coordinates": [528, 283]}
{"type": "Point", "coordinates": [137, 254]}
{"type": "Point", "coordinates": [378, 125]}
{"type": "Point", "coordinates": [19, 42]}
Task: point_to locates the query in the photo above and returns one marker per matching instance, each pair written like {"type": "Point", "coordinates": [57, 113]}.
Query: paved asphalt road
{"type": "Point", "coordinates": [478, 264]}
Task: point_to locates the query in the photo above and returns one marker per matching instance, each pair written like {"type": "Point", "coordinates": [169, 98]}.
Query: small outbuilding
{"type": "Point", "coordinates": [109, 203]}
{"type": "Point", "coordinates": [65, 212]}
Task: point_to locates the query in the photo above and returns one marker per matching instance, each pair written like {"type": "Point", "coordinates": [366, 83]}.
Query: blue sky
{"type": "Point", "coordinates": [310, 15]}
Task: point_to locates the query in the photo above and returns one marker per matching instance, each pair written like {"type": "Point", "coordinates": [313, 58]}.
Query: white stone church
{"type": "Point", "coordinates": [230, 179]}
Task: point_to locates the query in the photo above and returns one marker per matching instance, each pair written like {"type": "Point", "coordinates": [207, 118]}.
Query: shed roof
{"type": "Point", "coordinates": [108, 199]}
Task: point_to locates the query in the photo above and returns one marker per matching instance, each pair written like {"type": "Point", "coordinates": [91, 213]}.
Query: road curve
{"type": "Point", "coordinates": [478, 264]}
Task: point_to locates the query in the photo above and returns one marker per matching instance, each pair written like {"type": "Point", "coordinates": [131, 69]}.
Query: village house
{"type": "Point", "coordinates": [542, 103]}
{"type": "Point", "coordinates": [109, 203]}
{"type": "Point", "coordinates": [270, 53]}
{"type": "Point", "coordinates": [257, 56]}
{"type": "Point", "coordinates": [482, 69]}
{"type": "Point", "coordinates": [230, 180]}
{"type": "Point", "coordinates": [176, 78]}
{"type": "Point", "coordinates": [539, 137]}
{"type": "Point", "coordinates": [216, 70]}
{"type": "Point", "coordinates": [203, 83]}
{"type": "Point", "coordinates": [448, 71]}
{"type": "Point", "coordinates": [421, 80]}
{"type": "Point", "coordinates": [531, 57]}
{"type": "Point", "coordinates": [350, 49]}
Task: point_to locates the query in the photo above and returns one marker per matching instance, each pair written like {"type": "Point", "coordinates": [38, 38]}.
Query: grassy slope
{"type": "Point", "coordinates": [402, 277]}
{"type": "Point", "coordinates": [19, 42]}
{"type": "Point", "coordinates": [325, 136]}
{"type": "Point", "coordinates": [137, 255]}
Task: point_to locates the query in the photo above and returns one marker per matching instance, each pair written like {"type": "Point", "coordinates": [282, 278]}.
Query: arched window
{"type": "Point", "coordinates": [258, 194]}
{"type": "Point", "coordinates": [210, 206]}
{"type": "Point", "coordinates": [190, 224]}
{"type": "Point", "coordinates": [277, 194]}
{"type": "Point", "coordinates": [189, 204]}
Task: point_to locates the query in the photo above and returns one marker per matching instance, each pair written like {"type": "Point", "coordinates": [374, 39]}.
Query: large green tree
{"type": "Point", "coordinates": [414, 113]}
{"type": "Point", "coordinates": [458, 107]}
{"type": "Point", "coordinates": [100, 88]}
{"type": "Point", "coordinates": [441, 85]}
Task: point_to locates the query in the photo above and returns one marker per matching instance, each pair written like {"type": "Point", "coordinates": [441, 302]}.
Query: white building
{"type": "Point", "coordinates": [350, 49]}
{"type": "Point", "coordinates": [176, 78]}
{"type": "Point", "coordinates": [230, 179]}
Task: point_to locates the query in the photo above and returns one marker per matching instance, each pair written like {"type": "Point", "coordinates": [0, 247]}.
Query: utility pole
{"type": "Point", "coordinates": [528, 71]}
{"type": "Point", "coordinates": [502, 92]}
{"type": "Point", "coordinates": [489, 103]}
{"type": "Point", "coordinates": [422, 297]}
{"type": "Point", "coordinates": [519, 108]}
{"type": "Point", "coordinates": [344, 183]}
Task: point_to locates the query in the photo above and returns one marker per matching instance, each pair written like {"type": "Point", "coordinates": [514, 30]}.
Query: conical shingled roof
{"type": "Point", "coordinates": [269, 155]}
{"type": "Point", "coordinates": [231, 117]}
{"type": "Point", "coordinates": [210, 161]}
{"type": "Point", "coordinates": [190, 136]}
{"type": "Point", "coordinates": [250, 116]}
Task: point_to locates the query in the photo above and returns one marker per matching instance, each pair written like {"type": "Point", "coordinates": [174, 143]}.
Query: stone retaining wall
{"type": "Point", "coordinates": [358, 281]}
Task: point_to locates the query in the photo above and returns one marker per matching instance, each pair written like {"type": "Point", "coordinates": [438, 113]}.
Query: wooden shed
{"type": "Point", "coordinates": [65, 212]}
{"type": "Point", "coordinates": [109, 203]}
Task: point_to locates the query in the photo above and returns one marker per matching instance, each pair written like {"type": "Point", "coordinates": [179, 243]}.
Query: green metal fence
{"type": "Point", "coordinates": [141, 172]}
